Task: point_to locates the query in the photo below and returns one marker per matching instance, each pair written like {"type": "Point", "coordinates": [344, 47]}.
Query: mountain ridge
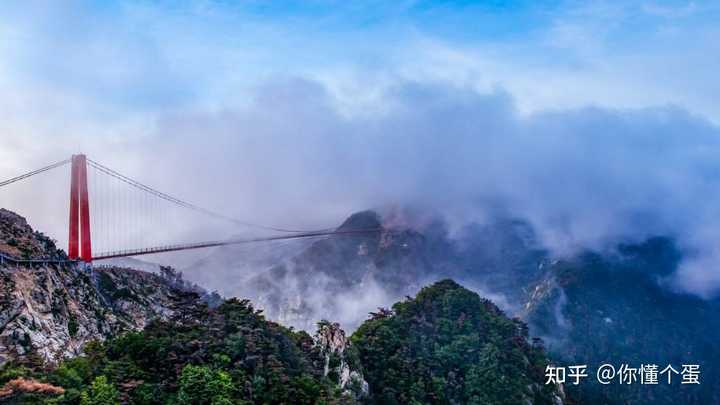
{"type": "Point", "coordinates": [561, 297]}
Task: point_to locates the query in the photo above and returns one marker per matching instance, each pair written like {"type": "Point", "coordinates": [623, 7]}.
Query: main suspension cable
{"type": "Point", "coordinates": [34, 172]}
{"type": "Point", "coordinates": [190, 206]}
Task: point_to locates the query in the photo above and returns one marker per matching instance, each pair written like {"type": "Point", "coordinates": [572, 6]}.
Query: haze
{"type": "Point", "coordinates": [596, 122]}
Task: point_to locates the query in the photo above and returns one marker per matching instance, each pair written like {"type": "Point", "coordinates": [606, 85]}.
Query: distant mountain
{"type": "Point", "coordinates": [301, 283]}
{"type": "Point", "coordinates": [343, 277]}
{"type": "Point", "coordinates": [595, 309]}
{"type": "Point", "coordinates": [229, 269]}
{"type": "Point", "coordinates": [590, 308]}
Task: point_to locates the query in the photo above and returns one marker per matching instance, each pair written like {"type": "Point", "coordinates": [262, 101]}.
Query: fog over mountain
{"type": "Point", "coordinates": [557, 158]}
{"type": "Point", "coordinates": [604, 150]}
{"type": "Point", "coordinates": [583, 178]}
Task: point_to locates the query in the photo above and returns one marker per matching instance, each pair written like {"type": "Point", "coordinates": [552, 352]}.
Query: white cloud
{"type": "Point", "coordinates": [463, 126]}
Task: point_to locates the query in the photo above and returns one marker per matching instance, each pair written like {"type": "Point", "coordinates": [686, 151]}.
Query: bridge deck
{"type": "Point", "coordinates": [201, 245]}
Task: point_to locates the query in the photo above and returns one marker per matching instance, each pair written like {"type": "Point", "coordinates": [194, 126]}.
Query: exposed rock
{"type": "Point", "coordinates": [341, 363]}
{"type": "Point", "coordinates": [52, 311]}
{"type": "Point", "coordinates": [17, 239]}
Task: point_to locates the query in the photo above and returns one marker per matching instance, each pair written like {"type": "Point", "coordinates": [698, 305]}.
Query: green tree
{"type": "Point", "coordinates": [202, 385]}
{"type": "Point", "coordinates": [101, 392]}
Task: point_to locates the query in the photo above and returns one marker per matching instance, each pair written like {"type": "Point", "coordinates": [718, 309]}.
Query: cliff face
{"type": "Point", "coordinates": [342, 364]}
{"type": "Point", "coordinates": [19, 240]}
{"type": "Point", "coordinates": [51, 311]}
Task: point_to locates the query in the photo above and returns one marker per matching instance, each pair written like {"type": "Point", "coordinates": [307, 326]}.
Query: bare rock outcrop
{"type": "Point", "coordinates": [341, 362]}
{"type": "Point", "coordinates": [51, 310]}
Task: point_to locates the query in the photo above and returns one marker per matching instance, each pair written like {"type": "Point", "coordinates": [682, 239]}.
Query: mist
{"type": "Point", "coordinates": [583, 178]}
{"type": "Point", "coordinates": [297, 131]}
{"type": "Point", "coordinates": [535, 182]}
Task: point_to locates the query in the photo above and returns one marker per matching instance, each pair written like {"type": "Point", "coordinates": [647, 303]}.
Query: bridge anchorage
{"type": "Point", "coordinates": [108, 218]}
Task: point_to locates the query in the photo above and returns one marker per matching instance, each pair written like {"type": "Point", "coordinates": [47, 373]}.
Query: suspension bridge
{"type": "Point", "coordinates": [110, 214]}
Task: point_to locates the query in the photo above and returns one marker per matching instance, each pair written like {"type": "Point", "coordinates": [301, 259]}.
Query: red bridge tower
{"type": "Point", "coordinates": [79, 239]}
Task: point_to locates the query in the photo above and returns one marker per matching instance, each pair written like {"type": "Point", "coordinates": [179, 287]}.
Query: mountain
{"type": "Point", "coordinates": [594, 309]}
{"type": "Point", "coordinates": [203, 355]}
{"type": "Point", "coordinates": [445, 346]}
{"type": "Point", "coordinates": [109, 335]}
{"type": "Point", "coordinates": [339, 276]}
{"type": "Point", "coordinates": [590, 307]}
{"type": "Point", "coordinates": [449, 346]}
{"type": "Point", "coordinates": [345, 276]}
{"type": "Point", "coordinates": [108, 331]}
{"type": "Point", "coordinates": [51, 311]}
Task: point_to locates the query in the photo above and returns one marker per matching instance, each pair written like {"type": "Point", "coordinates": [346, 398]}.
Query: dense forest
{"type": "Point", "coordinates": [616, 311]}
{"type": "Point", "coordinates": [226, 355]}
{"type": "Point", "coordinates": [445, 346]}
{"type": "Point", "coordinates": [449, 346]}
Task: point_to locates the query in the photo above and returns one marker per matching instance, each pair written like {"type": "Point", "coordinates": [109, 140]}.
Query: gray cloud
{"type": "Point", "coordinates": [584, 178]}
{"type": "Point", "coordinates": [168, 98]}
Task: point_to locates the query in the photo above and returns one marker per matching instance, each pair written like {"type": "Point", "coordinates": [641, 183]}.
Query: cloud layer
{"type": "Point", "coordinates": [585, 178]}
{"type": "Point", "coordinates": [596, 125]}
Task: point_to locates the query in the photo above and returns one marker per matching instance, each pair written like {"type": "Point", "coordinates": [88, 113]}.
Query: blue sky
{"type": "Point", "coordinates": [596, 121]}
{"type": "Point", "coordinates": [146, 55]}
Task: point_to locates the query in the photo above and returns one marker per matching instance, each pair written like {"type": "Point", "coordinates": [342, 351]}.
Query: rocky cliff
{"type": "Point", "coordinates": [49, 311]}
{"type": "Point", "coordinates": [342, 364]}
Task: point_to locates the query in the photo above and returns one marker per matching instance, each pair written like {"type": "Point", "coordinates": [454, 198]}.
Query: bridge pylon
{"type": "Point", "coordinates": [79, 245]}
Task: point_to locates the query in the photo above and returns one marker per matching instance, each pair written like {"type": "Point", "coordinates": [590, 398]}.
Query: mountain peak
{"type": "Point", "coordinates": [18, 239]}
{"type": "Point", "coordinates": [448, 330]}
{"type": "Point", "coordinates": [362, 220]}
